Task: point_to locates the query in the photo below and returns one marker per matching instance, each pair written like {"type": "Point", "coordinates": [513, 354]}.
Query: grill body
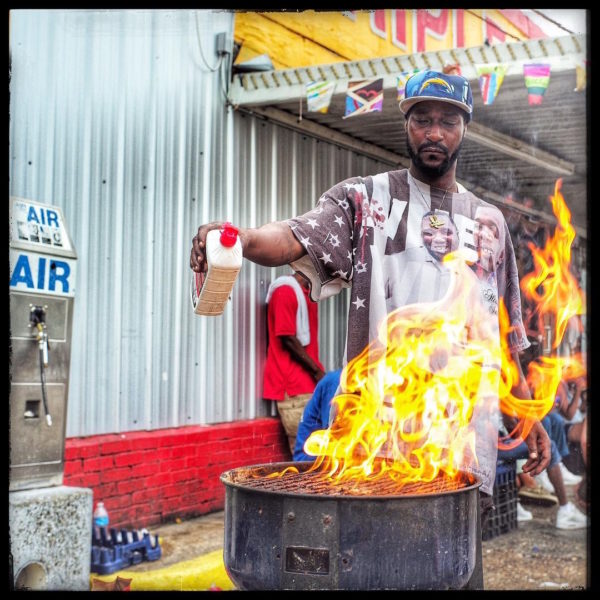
{"type": "Point", "coordinates": [282, 540]}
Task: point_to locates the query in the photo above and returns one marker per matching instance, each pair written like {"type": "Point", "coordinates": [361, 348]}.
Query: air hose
{"type": "Point", "coordinates": [43, 353]}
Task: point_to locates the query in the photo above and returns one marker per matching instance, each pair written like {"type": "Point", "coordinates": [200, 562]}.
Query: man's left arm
{"type": "Point", "coordinates": [301, 356]}
{"type": "Point", "coordinates": [537, 439]}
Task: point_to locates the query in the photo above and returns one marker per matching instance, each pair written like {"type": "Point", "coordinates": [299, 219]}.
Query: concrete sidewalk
{"type": "Point", "coordinates": [536, 555]}
{"type": "Point", "coordinates": [191, 559]}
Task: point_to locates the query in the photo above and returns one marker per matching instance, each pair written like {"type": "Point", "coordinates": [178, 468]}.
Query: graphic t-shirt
{"type": "Point", "coordinates": [383, 236]}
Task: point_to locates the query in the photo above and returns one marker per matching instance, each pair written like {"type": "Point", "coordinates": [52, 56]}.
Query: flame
{"type": "Point", "coordinates": [407, 401]}
{"type": "Point", "coordinates": [551, 285]}
{"type": "Point", "coordinates": [554, 291]}
{"type": "Point", "coordinates": [410, 395]}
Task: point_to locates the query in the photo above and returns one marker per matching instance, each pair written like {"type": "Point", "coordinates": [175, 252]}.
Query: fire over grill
{"type": "Point", "coordinates": [313, 483]}
{"type": "Point", "coordinates": [298, 531]}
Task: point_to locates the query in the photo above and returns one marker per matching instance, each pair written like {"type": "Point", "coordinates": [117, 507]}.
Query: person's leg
{"type": "Point", "coordinates": [575, 431]}
{"type": "Point", "coordinates": [556, 479]}
{"type": "Point", "coordinates": [513, 453]}
{"type": "Point", "coordinates": [554, 425]}
{"type": "Point", "coordinates": [568, 516]}
{"type": "Point", "coordinates": [583, 440]}
{"type": "Point", "coordinates": [581, 495]}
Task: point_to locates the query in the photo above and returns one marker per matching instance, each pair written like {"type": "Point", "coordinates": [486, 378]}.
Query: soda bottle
{"type": "Point", "coordinates": [100, 518]}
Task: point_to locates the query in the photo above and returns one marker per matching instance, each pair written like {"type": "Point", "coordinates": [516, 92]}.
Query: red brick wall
{"type": "Point", "coordinates": [149, 477]}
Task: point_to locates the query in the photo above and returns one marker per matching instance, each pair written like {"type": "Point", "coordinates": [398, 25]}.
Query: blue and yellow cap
{"type": "Point", "coordinates": [433, 85]}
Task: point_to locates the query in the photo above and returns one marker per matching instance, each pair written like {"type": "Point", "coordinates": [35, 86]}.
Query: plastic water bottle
{"type": "Point", "coordinates": [211, 290]}
{"type": "Point", "coordinates": [100, 518]}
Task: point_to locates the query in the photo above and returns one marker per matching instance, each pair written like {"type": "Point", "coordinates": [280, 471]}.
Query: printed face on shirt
{"type": "Point", "coordinates": [487, 241]}
{"type": "Point", "coordinates": [435, 131]}
{"type": "Point", "coordinates": [439, 234]}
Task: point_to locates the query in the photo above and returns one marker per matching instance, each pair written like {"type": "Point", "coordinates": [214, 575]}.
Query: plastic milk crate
{"type": "Point", "coordinates": [113, 550]}
{"type": "Point", "coordinates": [503, 518]}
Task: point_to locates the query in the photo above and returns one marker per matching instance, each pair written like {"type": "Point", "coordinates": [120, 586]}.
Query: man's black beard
{"type": "Point", "coordinates": [432, 172]}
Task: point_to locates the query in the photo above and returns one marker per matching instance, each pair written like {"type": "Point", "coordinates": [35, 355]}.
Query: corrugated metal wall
{"type": "Point", "coordinates": [116, 117]}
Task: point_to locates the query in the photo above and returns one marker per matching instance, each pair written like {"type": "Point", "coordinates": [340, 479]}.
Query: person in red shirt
{"type": "Point", "coordinates": [292, 368]}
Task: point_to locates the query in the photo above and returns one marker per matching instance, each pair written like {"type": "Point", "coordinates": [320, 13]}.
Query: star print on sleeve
{"type": "Point", "coordinates": [327, 232]}
{"type": "Point", "coordinates": [342, 274]}
{"type": "Point", "coordinates": [305, 241]}
{"type": "Point", "coordinates": [359, 302]}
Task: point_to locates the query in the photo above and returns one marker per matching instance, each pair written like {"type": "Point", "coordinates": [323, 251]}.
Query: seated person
{"type": "Point", "coordinates": [571, 401]}
{"type": "Point", "coordinates": [316, 412]}
{"type": "Point", "coordinates": [568, 515]}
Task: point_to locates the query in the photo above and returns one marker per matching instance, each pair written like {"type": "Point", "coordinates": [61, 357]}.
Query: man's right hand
{"type": "Point", "coordinates": [198, 254]}
{"type": "Point", "coordinates": [271, 245]}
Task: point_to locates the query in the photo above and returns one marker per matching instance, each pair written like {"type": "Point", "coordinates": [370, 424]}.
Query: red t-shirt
{"type": "Point", "coordinates": [282, 373]}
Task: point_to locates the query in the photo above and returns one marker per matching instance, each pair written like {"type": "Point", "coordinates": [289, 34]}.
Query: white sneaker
{"type": "Point", "coordinates": [570, 517]}
{"type": "Point", "coordinates": [568, 477]}
{"type": "Point", "coordinates": [544, 481]}
{"type": "Point", "coordinates": [523, 514]}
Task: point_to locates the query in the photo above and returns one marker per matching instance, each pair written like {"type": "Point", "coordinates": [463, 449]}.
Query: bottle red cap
{"type": "Point", "coordinates": [229, 235]}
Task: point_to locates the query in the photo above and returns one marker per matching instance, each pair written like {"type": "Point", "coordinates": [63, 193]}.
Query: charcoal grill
{"type": "Point", "coordinates": [298, 531]}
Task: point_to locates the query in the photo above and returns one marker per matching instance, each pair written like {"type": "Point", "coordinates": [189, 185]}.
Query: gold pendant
{"type": "Point", "coordinates": [435, 222]}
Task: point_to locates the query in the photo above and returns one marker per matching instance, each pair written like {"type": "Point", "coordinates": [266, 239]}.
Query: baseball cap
{"type": "Point", "coordinates": [433, 85]}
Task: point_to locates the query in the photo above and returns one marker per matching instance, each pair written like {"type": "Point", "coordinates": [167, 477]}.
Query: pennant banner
{"type": "Point", "coordinates": [490, 80]}
{"type": "Point", "coordinates": [581, 76]}
{"type": "Point", "coordinates": [401, 82]}
{"type": "Point", "coordinates": [318, 95]}
{"type": "Point", "coordinates": [537, 78]}
{"type": "Point", "coordinates": [364, 97]}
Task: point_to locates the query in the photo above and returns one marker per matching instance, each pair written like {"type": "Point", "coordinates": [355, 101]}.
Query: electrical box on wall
{"type": "Point", "coordinates": [42, 291]}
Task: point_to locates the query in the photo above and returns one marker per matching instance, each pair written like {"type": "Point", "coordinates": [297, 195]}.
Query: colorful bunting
{"type": "Point", "coordinates": [318, 95]}
{"type": "Point", "coordinates": [581, 81]}
{"type": "Point", "coordinates": [490, 80]}
{"type": "Point", "coordinates": [537, 78]}
{"type": "Point", "coordinates": [401, 82]}
{"type": "Point", "coordinates": [364, 97]}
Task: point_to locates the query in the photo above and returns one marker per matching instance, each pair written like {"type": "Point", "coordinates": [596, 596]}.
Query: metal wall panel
{"type": "Point", "coordinates": [116, 118]}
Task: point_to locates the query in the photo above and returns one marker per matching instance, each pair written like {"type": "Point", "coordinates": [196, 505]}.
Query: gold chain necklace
{"type": "Point", "coordinates": [433, 219]}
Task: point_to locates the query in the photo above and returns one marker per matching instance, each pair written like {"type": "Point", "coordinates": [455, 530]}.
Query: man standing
{"type": "Point", "coordinates": [366, 232]}
{"type": "Point", "coordinates": [292, 369]}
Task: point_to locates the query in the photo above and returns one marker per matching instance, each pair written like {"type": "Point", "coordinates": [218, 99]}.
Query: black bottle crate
{"type": "Point", "coordinates": [503, 518]}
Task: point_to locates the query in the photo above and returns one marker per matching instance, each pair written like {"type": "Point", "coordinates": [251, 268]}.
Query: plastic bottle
{"type": "Point", "coordinates": [211, 290]}
{"type": "Point", "coordinates": [100, 518]}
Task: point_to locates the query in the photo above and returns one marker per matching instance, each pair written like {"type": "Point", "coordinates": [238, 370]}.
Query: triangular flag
{"type": "Point", "coordinates": [537, 78]}
{"type": "Point", "coordinates": [318, 95]}
{"type": "Point", "coordinates": [364, 97]}
{"type": "Point", "coordinates": [401, 82]}
{"type": "Point", "coordinates": [490, 80]}
{"type": "Point", "coordinates": [581, 77]}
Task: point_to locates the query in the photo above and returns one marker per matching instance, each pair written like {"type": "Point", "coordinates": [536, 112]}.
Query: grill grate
{"type": "Point", "coordinates": [314, 483]}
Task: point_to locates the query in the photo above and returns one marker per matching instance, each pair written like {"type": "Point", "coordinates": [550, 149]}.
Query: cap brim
{"type": "Point", "coordinates": [407, 103]}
